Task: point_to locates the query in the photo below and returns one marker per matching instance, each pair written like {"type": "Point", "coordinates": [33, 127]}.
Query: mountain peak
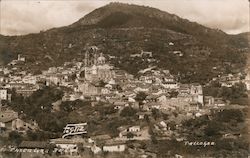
{"type": "Point", "coordinates": [123, 15]}
{"type": "Point", "coordinates": [123, 10]}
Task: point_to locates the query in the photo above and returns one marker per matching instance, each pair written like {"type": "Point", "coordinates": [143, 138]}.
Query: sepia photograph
{"type": "Point", "coordinates": [124, 78]}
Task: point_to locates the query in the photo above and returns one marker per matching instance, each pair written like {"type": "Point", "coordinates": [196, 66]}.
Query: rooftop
{"type": "Point", "coordinates": [114, 142]}
{"type": "Point", "coordinates": [67, 141]}
{"type": "Point", "coordinates": [8, 115]}
{"type": "Point", "coordinates": [33, 144]}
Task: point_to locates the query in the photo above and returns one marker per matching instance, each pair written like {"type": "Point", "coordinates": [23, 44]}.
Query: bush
{"type": "Point", "coordinates": [130, 135]}
{"type": "Point", "coordinates": [15, 137]}
{"type": "Point", "coordinates": [212, 129]}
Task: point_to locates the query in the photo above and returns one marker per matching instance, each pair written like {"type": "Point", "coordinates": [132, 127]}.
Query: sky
{"type": "Point", "coordinates": [19, 17]}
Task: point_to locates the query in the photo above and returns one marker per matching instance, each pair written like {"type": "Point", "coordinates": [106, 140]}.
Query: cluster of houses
{"type": "Point", "coordinates": [229, 80]}
{"type": "Point", "coordinates": [94, 78]}
{"type": "Point", "coordinates": [10, 121]}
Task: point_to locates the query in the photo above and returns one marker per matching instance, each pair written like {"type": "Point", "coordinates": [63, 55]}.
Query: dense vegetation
{"type": "Point", "coordinates": [215, 127]}
{"type": "Point", "coordinates": [40, 106]}
{"type": "Point", "coordinates": [237, 94]}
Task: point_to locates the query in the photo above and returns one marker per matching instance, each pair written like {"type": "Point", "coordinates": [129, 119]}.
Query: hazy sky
{"type": "Point", "coordinates": [31, 16]}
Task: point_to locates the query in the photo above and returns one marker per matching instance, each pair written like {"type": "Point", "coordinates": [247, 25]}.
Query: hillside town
{"type": "Point", "coordinates": [121, 112]}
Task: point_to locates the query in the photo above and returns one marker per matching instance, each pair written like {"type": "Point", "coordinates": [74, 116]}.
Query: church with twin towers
{"type": "Point", "coordinates": [96, 66]}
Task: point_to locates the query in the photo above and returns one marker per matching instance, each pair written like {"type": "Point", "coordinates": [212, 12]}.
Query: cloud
{"type": "Point", "coordinates": [22, 17]}
{"type": "Point", "coordinates": [26, 16]}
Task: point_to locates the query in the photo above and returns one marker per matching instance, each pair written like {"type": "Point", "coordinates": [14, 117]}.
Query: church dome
{"type": "Point", "coordinates": [101, 59]}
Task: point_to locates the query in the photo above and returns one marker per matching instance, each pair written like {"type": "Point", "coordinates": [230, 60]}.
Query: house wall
{"type": "Point", "coordinates": [200, 99]}
{"type": "Point", "coordinates": [172, 85]}
{"type": "Point", "coordinates": [247, 84]}
{"type": "Point", "coordinates": [70, 148]}
{"type": "Point", "coordinates": [2, 124]}
{"type": "Point", "coordinates": [114, 148]}
{"type": "Point", "coordinates": [134, 129]}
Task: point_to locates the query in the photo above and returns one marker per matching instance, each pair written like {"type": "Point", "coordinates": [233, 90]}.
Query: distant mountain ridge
{"type": "Point", "coordinates": [121, 29]}
{"type": "Point", "coordinates": [130, 15]}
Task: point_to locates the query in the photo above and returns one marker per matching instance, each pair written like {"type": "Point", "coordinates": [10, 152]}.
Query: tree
{"type": "Point", "coordinates": [172, 125]}
{"type": "Point", "coordinates": [118, 87]}
{"type": "Point", "coordinates": [128, 112]}
{"type": "Point", "coordinates": [82, 74]}
{"type": "Point", "coordinates": [173, 94]}
{"type": "Point", "coordinates": [37, 72]}
{"type": "Point", "coordinates": [212, 129]}
{"type": "Point", "coordinates": [15, 137]}
{"type": "Point", "coordinates": [50, 148]}
{"type": "Point", "coordinates": [32, 135]}
{"type": "Point", "coordinates": [108, 110]}
{"type": "Point", "coordinates": [153, 139]}
{"type": "Point", "coordinates": [73, 77]}
{"type": "Point", "coordinates": [66, 106]}
{"type": "Point", "coordinates": [80, 148]}
{"type": "Point", "coordinates": [230, 114]}
{"type": "Point", "coordinates": [38, 107]}
{"type": "Point", "coordinates": [239, 90]}
{"type": "Point", "coordinates": [215, 84]}
{"type": "Point", "coordinates": [141, 96]}
{"type": "Point", "coordinates": [130, 135]}
{"type": "Point", "coordinates": [156, 113]}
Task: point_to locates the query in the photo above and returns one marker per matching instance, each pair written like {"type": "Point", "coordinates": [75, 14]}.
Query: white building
{"type": "Point", "coordinates": [125, 130]}
{"type": "Point", "coordinates": [69, 146]}
{"type": "Point", "coordinates": [114, 146]}
{"type": "Point", "coordinates": [247, 82]}
{"type": "Point", "coordinates": [3, 94]}
{"type": "Point", "coordinates": [134, 129]}
{"type": "Point", "coordinates": [105, 91]}
{"type": "Point", "coordinates": [170, 85]}
{"type": "Point", "coordinates": [20, 57]}
{"type": "Point", "coordinates": [29, 80]}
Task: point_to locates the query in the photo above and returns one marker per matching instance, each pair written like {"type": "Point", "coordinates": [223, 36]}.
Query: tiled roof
{"type": "Point", "coordinates": [114, 142]}
{"type": "Point", "coordinates": [101, 137]}
{"type": "Point", "coordinates": [33, 144]}
{"type": "Point", "coordinates": [67, 141]}
{"type": "Point", "coordinates": [7, 116]}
